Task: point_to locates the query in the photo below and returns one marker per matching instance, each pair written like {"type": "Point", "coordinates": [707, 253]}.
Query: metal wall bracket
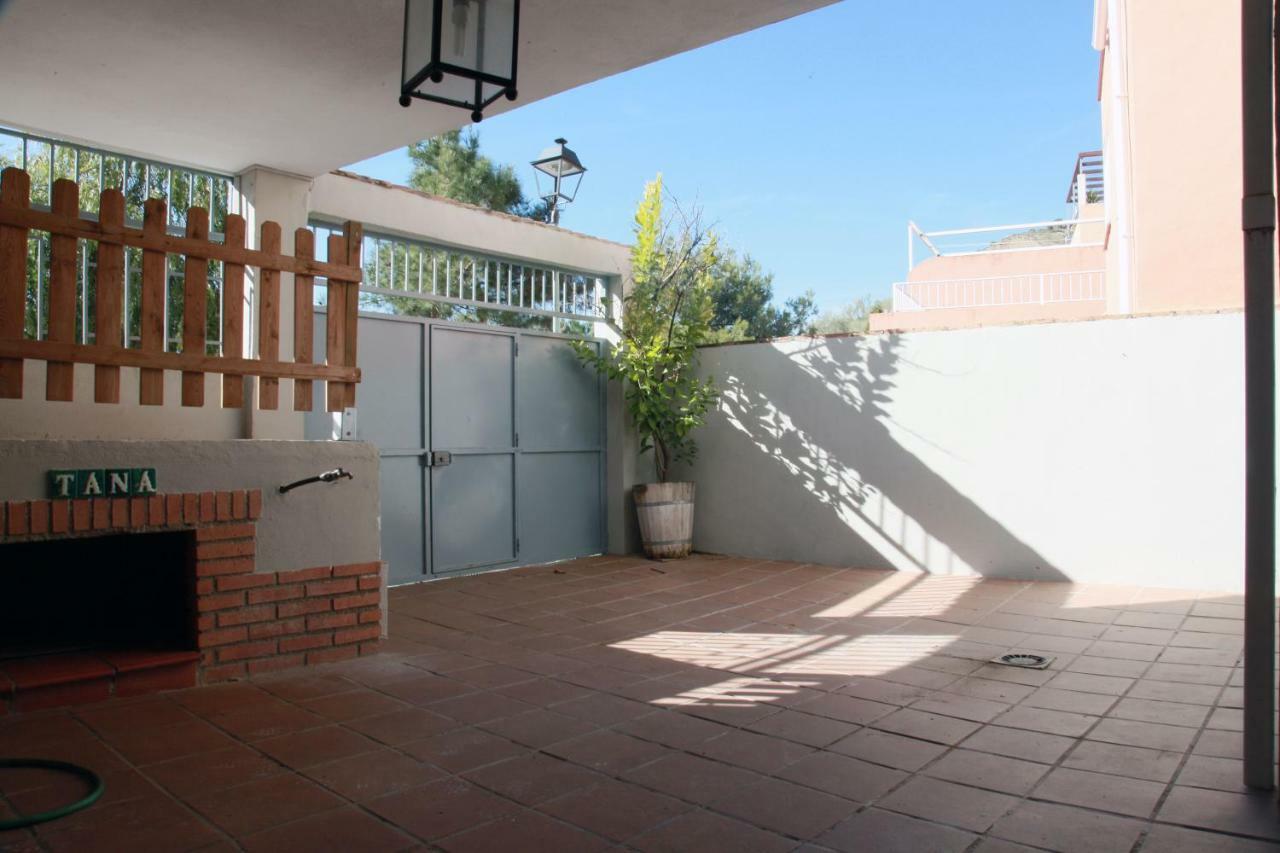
{"type": "Point", "coordinates": [1258, 212]}
{"type": "Point", "coordinates": [348, 429]}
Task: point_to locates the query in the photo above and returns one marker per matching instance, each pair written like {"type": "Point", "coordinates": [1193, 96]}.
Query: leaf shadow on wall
{"type": "Point", "coordinates": [850, 493]}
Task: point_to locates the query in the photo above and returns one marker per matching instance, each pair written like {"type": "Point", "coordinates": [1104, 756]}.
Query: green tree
{"type": "Point", "coordinates": [93, 172]}
{"type": "Point", "coordinates": [452, 166]}
{"type": "Point", "coordinates": [742, 303]}
{"type": "Point", "coordinates": [853, 317]}
{"type": "Point", "coordinates": [667, 315]}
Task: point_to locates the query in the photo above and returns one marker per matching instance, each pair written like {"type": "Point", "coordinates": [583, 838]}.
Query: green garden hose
{"type": "Point", "coordinates": [96, 787]}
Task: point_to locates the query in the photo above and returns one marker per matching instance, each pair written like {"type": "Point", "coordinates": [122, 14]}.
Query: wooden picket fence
{"type": "Point", "coordinates": [60, 351]}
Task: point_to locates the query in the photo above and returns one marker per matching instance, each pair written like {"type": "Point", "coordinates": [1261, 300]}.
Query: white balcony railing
{"type": "Point", "coordinates": [1001, 239]}
{"type": "Point", "coordinates": [1025, 289]}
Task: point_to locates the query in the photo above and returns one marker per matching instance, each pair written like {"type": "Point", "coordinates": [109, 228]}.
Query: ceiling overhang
{"type": "Point", "coordinates": [302, 87]}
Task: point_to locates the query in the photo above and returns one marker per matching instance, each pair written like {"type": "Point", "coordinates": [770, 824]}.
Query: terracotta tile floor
{"type": "Point", "coordinates": [712, 704]}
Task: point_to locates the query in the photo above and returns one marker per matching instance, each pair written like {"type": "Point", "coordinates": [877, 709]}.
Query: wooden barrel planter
{"type": "Point", "coordinates": [665, 512]}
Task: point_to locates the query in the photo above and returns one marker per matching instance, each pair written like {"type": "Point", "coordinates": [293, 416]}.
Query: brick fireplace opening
{"type": "Point", "coordinates": [120, 596]}
{"type": "Point", "coordinates": [98, 594]}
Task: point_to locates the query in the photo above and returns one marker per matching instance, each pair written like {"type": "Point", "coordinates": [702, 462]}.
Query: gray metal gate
{"type": "Point", "coordinates": [473, 439]}
{"type": "Point", "coordinates": [491, 440]}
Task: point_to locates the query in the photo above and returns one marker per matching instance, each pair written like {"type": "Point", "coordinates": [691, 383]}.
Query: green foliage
{"type": "Point", "coordinates": [452, 166]}
{"type": "Point", "coordinates": [854, 317]}
{"type": "Point", "coordinates": [796, 317]}
{"type": "Point", "coordinates": [667, 315]}
{"type": "Point", "coordinates": [93, 173]}
{"type": "Point", "coordinates": [742, 303]}
{"type": "Point", "coordinates": [736, 333]}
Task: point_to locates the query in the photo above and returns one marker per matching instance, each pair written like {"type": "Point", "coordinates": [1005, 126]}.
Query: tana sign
{"type": "Point", "coordinates": [101, 482]}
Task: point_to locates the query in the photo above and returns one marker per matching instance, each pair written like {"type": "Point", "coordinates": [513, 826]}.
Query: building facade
{"type": "Point", "coordinates": [1154, 223]}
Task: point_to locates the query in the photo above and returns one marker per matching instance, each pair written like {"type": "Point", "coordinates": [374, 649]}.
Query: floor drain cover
{"type": "Point", "coordinates": [1024, 660]}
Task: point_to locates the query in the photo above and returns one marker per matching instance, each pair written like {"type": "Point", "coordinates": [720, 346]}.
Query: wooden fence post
{"type": "Point", "coordinates": [335, 327]}
{"type": "Point", "coordinates": [354, 234]}
{"type": "Point", "coordinates": [269, 317]}
{"type": "Point", "coordinates": [195, 307]}
{"type": "Point", "coordinates": [304, 244]}
{"type": "Point", "coordinates": [108, 308]}
{"type": "Point", "coordinates": [60, 375]}
{"type": "Point", "coordinates": [151, 326]}
{"type": "Point", "coordinates": [15, 190]}
{"type": "Point", "coordinates": [233, 313]}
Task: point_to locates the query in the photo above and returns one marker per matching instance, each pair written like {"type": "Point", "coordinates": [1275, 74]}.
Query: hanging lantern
{"type": "Point", "coordinates": [460, 52]}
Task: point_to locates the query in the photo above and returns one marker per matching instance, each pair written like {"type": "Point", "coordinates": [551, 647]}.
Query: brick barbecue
{"type": "Point", "coordinates": [246, 621]}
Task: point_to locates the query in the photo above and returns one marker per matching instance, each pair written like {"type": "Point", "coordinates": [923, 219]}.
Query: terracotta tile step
{"type": "Point", "coordinates": [132, 660]}
{"type": "Point", "coordinates": [46, 681]}
{"type": "Point", "coordinates": [50, 670]}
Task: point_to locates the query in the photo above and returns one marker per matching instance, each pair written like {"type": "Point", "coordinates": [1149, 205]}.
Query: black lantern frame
{"type": "Point", "coordinates": [437, 68]}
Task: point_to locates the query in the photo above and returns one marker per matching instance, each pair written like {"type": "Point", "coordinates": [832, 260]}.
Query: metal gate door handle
{"type": "Point", "coordinates": [441, 458]}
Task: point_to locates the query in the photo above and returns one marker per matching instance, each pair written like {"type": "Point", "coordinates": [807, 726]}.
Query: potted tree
{"type": "Point", "coordinates": [667, 313]}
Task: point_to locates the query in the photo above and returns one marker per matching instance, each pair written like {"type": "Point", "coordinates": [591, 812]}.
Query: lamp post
{"type": "Point", "coordinates": [460, 52]}
{"type": "Point", "coordinates": [558, 163]}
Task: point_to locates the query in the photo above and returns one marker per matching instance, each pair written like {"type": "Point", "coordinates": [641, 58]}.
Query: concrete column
{"type": "Point", "coordinates": [624, 467]}
{"type": "Point", "coordinates": [268, 195]}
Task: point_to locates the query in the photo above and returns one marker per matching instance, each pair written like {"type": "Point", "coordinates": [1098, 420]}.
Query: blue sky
{"type": "Point", "coordinates": [810, 143]}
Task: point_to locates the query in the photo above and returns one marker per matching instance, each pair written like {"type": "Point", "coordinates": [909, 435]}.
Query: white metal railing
{"type": "Point", "coordinates": [1025, 289]}
{"type": "Point", "coordinates": [47, 160]}
{"type": "Point", "coordinates": [1087, 182]}
{"type": "Point", "coordinates": [400, 271]}
{"type": "Point", "coordinates": [989, 239]}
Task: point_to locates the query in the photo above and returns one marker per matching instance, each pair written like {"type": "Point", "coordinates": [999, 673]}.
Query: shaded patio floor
{"type": "Point", "coordinates": [711, 704]}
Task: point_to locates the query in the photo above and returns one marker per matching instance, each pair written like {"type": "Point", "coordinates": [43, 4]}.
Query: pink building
{"type": "Point", "coordinates": [1154, 222]}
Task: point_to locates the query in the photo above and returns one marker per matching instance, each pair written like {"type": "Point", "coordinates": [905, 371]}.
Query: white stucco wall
{"type": "Point", "coordinates": [1102, 451]}
{"type": "Point", "coordinates": [82, 418]}
{"type": "Point", "coordinates": [322, 524]}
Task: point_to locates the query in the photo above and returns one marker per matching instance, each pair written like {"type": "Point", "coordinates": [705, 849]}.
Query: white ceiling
{"type": "Point", "coordinates": [303, 87]}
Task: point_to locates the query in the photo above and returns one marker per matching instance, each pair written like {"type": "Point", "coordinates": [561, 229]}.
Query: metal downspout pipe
{"type": "Point", "coordinates": [1118, 174]}
{"type": "Point", "coordinates": [1258, 217]}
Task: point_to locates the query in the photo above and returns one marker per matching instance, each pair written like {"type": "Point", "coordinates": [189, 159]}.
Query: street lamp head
{"type": "Point", "coordinates": [559, 161]}
{"type": "Point", "coordinates": [561, 165]}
